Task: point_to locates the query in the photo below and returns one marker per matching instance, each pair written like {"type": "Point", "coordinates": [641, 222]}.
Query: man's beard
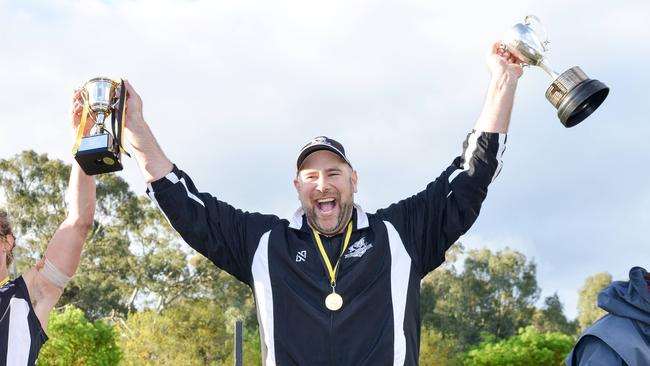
{"type": "Point", "coordinates": [345, 214]}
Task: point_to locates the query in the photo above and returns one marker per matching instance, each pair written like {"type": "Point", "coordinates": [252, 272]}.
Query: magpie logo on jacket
{"type": "Point", "coordinates": [358, 249]}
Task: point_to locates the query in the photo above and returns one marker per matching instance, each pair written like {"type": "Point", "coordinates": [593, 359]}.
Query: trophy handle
{"type": "Point", "coordinates": [118, 92]}
{"type": "Point", "coordinates": [529, 19]}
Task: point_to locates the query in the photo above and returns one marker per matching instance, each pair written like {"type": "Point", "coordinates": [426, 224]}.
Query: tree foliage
{"type": "Point", "coordinates": [34, 188]}
{"type": "Point", "coordinates": [588, 310]}
{"type": "Point", "coordinates": [551, 318]}
{"type": "Point", "coordinates": [190, 332]}
{"type": "Point", "coordinates": [131, 256]}
{"type": "Point", "coordinates": [527, 348]}
{"type": "Point", "coordinates": [436, 349]}
{"type": "Point", "coordinates": [75, 341]}
{"type": "Point", "coordinates": [492, 296]}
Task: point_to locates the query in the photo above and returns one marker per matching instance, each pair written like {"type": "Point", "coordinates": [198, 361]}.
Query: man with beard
{"type": "Point", "coordinates": [26, 301]}
{"type": "Point", "coordinates": [334, 285]}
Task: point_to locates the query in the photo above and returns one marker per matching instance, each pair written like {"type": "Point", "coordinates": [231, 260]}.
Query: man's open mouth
{"type": "Point", "coordinates": [326, 205]}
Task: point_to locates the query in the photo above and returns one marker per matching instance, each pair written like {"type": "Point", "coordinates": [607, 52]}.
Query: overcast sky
{"type": "Point", "coordinates": [233, 89]}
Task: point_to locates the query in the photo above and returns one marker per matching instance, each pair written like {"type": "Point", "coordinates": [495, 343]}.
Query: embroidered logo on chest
{"type": "Point", "coordinates": [301, 256]}
{"type": "Point", "coordinates": [358, 249]}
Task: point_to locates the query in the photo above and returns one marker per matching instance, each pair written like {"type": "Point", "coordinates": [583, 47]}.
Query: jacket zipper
{"type": "Point", "coordinates": [331, 337]}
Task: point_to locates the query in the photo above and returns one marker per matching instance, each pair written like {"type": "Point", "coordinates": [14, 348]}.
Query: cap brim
{"type": "Point", "coordinates": [311, 149]}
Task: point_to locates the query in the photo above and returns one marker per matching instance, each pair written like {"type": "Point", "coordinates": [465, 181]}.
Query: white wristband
{"type": "Point", "coordinates": [54, 275]}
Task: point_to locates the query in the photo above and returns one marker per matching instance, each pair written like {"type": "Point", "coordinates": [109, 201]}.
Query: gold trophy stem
{"type": "Point", "coordinates": [99, 124]}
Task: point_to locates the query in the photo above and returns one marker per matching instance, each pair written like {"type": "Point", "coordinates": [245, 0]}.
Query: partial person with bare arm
{"type": "Point", "coordinates": [26, 301]}
{"type": "Point", "coordinates": [335, 285]}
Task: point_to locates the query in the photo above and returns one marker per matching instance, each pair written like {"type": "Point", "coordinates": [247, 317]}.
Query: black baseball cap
{"type": "Point", "coordinates": [321, 143]}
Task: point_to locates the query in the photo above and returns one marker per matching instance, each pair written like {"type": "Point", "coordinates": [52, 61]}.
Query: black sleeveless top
{"type": "Point", "coordinates": [21, 334]}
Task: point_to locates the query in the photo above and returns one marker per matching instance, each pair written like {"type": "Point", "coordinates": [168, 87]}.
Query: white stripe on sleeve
{"type": "Point", "coordinates": [469, 152]}
{"type": "Point", "coordinates": [264, 298]}
{"type": "Point", "coordinates": [400, 268]}
{"type": "Point", "coordinates": [20, 339]}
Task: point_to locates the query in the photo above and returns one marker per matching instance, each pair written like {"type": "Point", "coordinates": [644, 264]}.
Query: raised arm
{"type": "Point", "coordinates": [225, 235]}
{"type": "Point", "coordinates": [151, 159]}
{"type": "Point", "coordinates": [46, 280]}
{"type": "Point", "coordinates": [506, 70]}
{"type": "Point", "coordinates": [432, 220]}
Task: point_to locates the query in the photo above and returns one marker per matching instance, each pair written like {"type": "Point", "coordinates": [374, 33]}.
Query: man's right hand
{"type": "Point", "coordinates": [501, 61]}
{"type": "Point", "coordinates": [134, 115]}
{"type": "Point", "coordinates": [151, 159]}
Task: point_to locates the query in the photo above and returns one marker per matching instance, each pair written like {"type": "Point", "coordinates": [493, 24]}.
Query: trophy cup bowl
{"type": "Point", "coordinates": [99, 153]}
{"type": "Point", "coordinates": [101, 93]}
{"type": "Point", "coordinates": [524, 44]}
{"type": "Point", "coordinates": [572, 93]}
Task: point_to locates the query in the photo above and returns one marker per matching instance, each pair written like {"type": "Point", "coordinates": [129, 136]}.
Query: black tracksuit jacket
{"type": "Point", "coordinates": [379, 273]}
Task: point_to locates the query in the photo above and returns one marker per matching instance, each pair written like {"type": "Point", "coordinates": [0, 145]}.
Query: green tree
{"type": "Point", "coordinates": [436, 349]}
{"type": "Point", "coordinates": [34, 189]}
{"type": "Point", "coordinates": [188, 332]}
{"type": "Point", "coordinates": [131, 257]}
{"type": "Point", "coordinates": [133, 260]}
{"type": "Point", "coordinates": [75, 341]}
{"type": "Point", "coordinates": [588, 310]}
{"type": "Point", "coordinates": [219, 286]}
{"type": "Point", "coordinates": [528, 348]}
{"type": "Point", "coordinates": [551, 317]}
{"type": "Point", "coordinates": [492, 297]}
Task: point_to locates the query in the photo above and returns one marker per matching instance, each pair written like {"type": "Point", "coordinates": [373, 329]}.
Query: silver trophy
{"type": "Point", "coordinates": [572, 93]}
{"type": "Point", "coordinates": [99, 152]}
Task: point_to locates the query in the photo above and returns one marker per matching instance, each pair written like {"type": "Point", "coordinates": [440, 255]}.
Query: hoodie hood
{"type": "Point", "coordinates": [629, 299]}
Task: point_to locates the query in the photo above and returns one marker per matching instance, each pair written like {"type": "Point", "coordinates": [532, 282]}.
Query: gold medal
{"type": "Point", "coordinates": [334, 301]}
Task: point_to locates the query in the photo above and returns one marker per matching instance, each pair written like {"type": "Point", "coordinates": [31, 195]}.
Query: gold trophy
{"type": "Point", "coordinates": [99, 152]}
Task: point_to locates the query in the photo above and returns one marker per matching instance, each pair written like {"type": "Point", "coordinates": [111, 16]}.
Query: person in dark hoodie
{"type": "Point", "coordinates": [621, 337]}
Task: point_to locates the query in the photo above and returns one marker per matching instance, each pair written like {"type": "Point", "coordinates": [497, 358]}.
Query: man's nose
{"type": "Point", "coordinates": [321, 183]}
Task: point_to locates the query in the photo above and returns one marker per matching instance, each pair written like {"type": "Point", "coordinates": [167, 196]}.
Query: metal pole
{"type": "Point", "coordinates": [239, 343]}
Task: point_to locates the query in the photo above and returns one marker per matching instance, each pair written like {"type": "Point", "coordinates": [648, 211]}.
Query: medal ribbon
{"type": "Point", "coordinates": [326, 259]}
{"type": "Point", "coordinates": [4, 281]}
{"type": "Point", "coordinates": [81, 127]}
{"type": "Point", "coordinates": [118, 121]}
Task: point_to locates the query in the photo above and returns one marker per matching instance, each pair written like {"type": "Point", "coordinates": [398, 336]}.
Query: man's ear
{"type": "Point", "coordinates": [296, 184]}
{"type": "Point", "coordinates": [354, 179]}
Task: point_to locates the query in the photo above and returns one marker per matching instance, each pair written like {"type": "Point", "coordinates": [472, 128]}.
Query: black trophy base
{"type": "Point", "coordinates": [576, 96]}
{"type": "Point", "coordinates": [96, 155]}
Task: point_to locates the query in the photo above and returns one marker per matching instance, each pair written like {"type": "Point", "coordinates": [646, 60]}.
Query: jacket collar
{"type": "Point", "coordinates": [298, 221]}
